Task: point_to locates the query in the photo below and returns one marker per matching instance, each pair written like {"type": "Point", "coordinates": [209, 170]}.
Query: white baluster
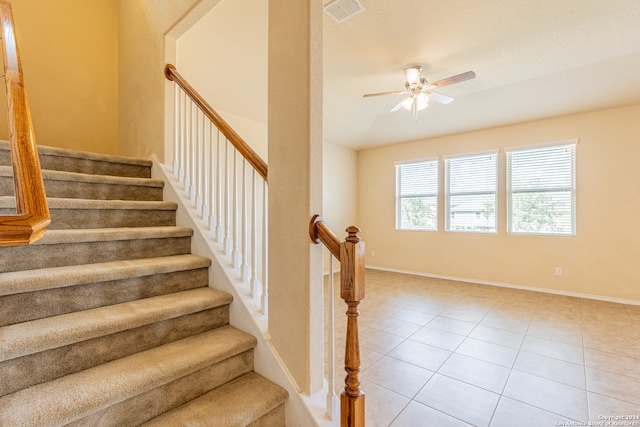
{"type": "Point", "coordinates": [188, 150]}
{"type": "Point", "coordinates": [253, 283]}
{"type": "Point", "coordinates": [235, 257]}
{"type": "Point", "coordinates": [264, 306]}
{"type": "Point", "coordinates": [228, 245]}
{"type": "Point", "coordinates": [204, 172]}
{"type": "Point", "coordinates": [185, 136]}
{"type": "Point", "coordinates": [176, 130]}
{"type": "Point", "coordinates": [181, 142]}
{"type": "Point", "coordinates": [208, 207]}
{"type": "Point", "coordinates": [199, 182]}
{"type": "Point", "coordinates": [193, 149]}
{"type": "Point", "coordinates": [243, 217]}
{"type": "Point", "coordinates": [218, 232]}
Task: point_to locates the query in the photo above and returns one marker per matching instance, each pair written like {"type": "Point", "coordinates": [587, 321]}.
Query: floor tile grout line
{"type": "Point", "coordinates": [511, 369]}
{"type": "Point", "coordinates": [584, 364]}
{"type": "Point", "coordinates": [469, 296]}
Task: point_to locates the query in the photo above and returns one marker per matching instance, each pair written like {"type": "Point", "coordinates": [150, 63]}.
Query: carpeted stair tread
{"type": "Point", "coordinates": [73, 275]}
{"type": "Point", "coordinates": [56, 237]}
{"type": "Point", "coordinates": [87, 204]}
{"type": "Point", "coordinates": [66, 152]}
{"type": "Point", "coordinates": [44, 334]}
{"type": "Point", "coordinates": [55, 158]}
{"type": "Point", "coordinates": [89, 186]}
{"type": "Point", "coordinates": [237, 403]}
{"type": "Point", "coordinates": [75, 396]}
{"type": "Point", "coordinates": [53, 175]}
{"type": "Point", "coordinates": [111, 158]}
{"type": "Point", "coordinates": [89, 246]}
{"type": "Point", "coordinates": [68, 213]}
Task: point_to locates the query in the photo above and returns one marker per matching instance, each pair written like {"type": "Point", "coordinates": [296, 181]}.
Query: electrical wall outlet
{"type": "Point", "coordinates": [558, 271]}
{"type": "Point", "coordinates": [373, 252]}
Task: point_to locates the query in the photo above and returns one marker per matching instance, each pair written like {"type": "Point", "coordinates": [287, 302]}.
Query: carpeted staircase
{"type": "Point", "coordinates": [109, 320]}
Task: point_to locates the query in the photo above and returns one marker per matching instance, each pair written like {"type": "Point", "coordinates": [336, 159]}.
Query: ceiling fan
{"type": "Point", "coordinates": [418, 90]}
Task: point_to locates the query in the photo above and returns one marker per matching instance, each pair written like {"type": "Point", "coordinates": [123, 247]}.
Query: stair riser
{"type": "Point", "coordinates": [273, 418]}
{"type": "Point", "coordinates": [19, 258]}
{"type": "Point", "coordinates": [94, 167]}
{"type": "Point", "coordinates": [49, 365]}
{"type": "Point", "coordinates": [65, 219]}
{"type": "Point", "coordinates": [51, 302]}
{"type": "Point", "coordinates": [155, 402]}
{"type": "Point", "coordinates": [81, 165]}
{"type": "Point", "coordinates": [89, 190]}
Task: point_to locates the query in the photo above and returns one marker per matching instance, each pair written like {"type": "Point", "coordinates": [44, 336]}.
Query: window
{"type": "Point", "coordinates": [541, 190]}
{"type": "Point", "coordinates": [417, 195]}
{"type": "Point", "coordinates": [471, 193]}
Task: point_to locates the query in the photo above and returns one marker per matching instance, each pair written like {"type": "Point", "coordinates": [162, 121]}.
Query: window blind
{"type": "Point", "coordinates": [417, 195]}
{"type": "Point", "coordinates": [541, 194]}
{"type": "Point", "coordinates": [471, 193]}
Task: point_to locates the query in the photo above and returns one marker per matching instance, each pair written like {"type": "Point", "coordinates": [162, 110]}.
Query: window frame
{"type": "Point", "coordinates": [571, 143]}
{"type": "Point", "coordinates": [399, 196]}
{"type": "Point", "coordinates": [448, 194]}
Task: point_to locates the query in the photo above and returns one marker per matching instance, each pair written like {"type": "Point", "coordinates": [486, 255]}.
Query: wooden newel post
{"type": "Point", "coordinates": [352, 272]}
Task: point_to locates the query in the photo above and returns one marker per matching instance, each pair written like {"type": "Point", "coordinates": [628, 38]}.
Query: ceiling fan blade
{"type": "Point", "coordinates": [451, 80]}
{"type": "Point", "coordinates": [438, 97]}
{"type": "Point", "coordinates": [397, 92]}
{"type": "Point", "coordinates": [399, 104]}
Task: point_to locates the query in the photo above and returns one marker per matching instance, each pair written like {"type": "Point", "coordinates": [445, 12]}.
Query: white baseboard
{"type": "Point", "coordinates": [512, 286]}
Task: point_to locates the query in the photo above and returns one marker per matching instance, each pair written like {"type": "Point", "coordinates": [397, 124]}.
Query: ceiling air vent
{"type": "Point", "coordinates": [341, 10]}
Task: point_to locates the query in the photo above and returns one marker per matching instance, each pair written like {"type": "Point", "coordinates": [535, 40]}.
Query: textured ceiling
{"type": "Point", "coordinates": [533, 59]}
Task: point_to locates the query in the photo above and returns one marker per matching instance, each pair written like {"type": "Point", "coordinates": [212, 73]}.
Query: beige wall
{"type": "Point", "coordinates": [339, 191]}
{"type": "Point", "coordinates": [295, 188]}
{"type": "Point", "coordinates": [600, 260]}
{"type": "Point", "coordinates": [340, 187]}
{"type": "Point", "coordinates": [224, 57]}
{"type": "Point", "coordinates": [69, 58]}
{"type": "Point", "coordinates": [141, 60]}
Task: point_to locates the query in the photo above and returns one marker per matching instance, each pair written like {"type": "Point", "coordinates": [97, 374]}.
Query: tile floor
{"type": "Point", "coordinates": [445, 353]}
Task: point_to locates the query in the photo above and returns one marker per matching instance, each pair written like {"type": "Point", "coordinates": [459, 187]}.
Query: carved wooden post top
{"type": "Point", "coordinates": [353, 234]}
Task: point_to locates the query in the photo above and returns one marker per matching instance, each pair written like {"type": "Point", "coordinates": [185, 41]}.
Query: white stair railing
{"type": "Point", "coordinates": [225, 180]}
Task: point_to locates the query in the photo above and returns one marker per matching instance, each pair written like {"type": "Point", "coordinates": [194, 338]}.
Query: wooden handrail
{"type": "Point", "coordinates": [350, 253]}
{"type": "Point", "coordinates": [320, 233]}
{"type": "Point", "coordinates": [32, 218]}
{"type": "Point", "coordinates": [247, 152]}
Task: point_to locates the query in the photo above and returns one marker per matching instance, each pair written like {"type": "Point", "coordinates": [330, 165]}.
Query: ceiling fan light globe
{"type": "Point", "coordinates": [423, 101]}
{"type": "Point", "coordinates": [407, 104]}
